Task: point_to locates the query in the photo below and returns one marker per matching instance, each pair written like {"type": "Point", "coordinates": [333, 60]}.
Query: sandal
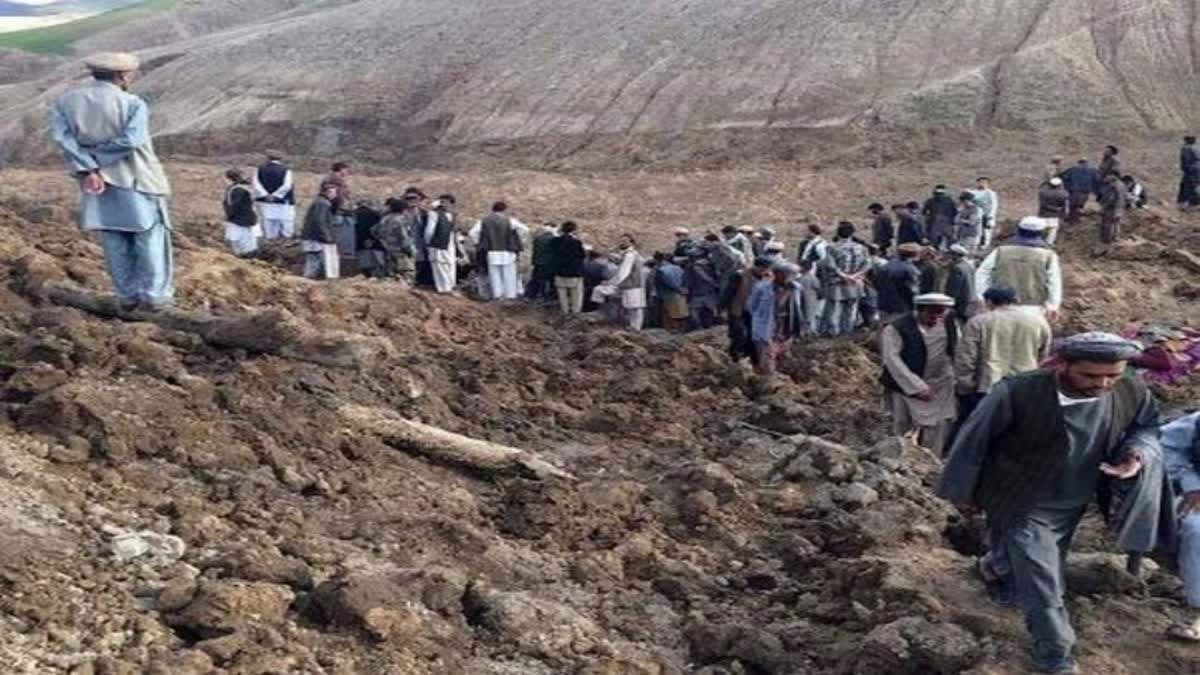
{"type": "Point", "coordinates": [1185, 632]}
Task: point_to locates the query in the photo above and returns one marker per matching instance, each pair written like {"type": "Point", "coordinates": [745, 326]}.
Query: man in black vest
{"type": "Point", "coordinates": [276, 196]}
{"type": "Point", "coordinates": [241, 222]}
{"type": "Point", "coordinates": [1036, 451]}
{"type": "Point", "coordinates": [441, 246]}
{"type": "Point", "coordinates": [918, 370]}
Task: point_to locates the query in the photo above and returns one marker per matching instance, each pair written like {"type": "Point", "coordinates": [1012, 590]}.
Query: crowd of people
{"type": "Point", "coordinates": [1034, 431]}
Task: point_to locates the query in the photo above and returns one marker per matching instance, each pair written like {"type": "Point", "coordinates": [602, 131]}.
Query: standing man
{"type": "Point", "coordinates": [918, 370]}
{"type": "Point", "coordinates": [960, 282]}
{"type": "Point", "coordinates": [241, 222]}
{"type": "Point", "coordinates": [940, 212]}
{"type": "Point", "coordinates": [670, 282]}
{"type": "Point", "coordinates": [343, 209]}
{"type": "Point", "coordinates": [776, 315]}
{"type": "Point", "coordinates": [883, 231]}
{"type": "Point", "coordinates": [735, 303]}
{"type": "Point", "coordinates": [703, 291]}
{"type": "Point", "coordinates": [372, 258]}
{"type": "Point", "coordinates": [740, 243]}
{"type": "Point", "coordinates": [629, 283]}
{"type": "Point", "coordinates": [909, 230]}
{"type": "Point", "coordinates": [541, 280]}
{"type": "Point", "coordinates": [1027, 264]}
{"type": "Point", "coordinates": [896, 283]}
{"type": "Point", "coordinates": [968, 223]}
{"type": "Point", "coordinates": [843, 275]}
{"type": "Point", "coordinates": [683, 242]}
{"type": "Point", "coordinates": [318, 239]}
{"type": "Point", "coordinates": [1189, 167]}
{"type": "Point", "coordinates": [814, 249]}
{"type": "Point", "coordinates": [275, 192]}
{"type": "Point", "coordinates": [1110, 163]}
{"type": "Point", "coordinates": [989, 204]}
{"type": "Point", "coordinates": [1053, 204]}
{"type": "Point", "coordinates": [441, 248]}
{"type": "Point", "coordinates": [997, 343]}
{"type": "Point", "coordinates": [1081, 181]}
{"type": "Point", "coordinates": [500, 244]}
{"type": "Point", "coordinates": [1181, 447]}
{"type": "Point", "coordinates": [567, 260]}
{"type": "Point", "coordinates": [1112, 197]}
{"type": "Point", "coordinates": [104, 133]}
{"type": "Point", "coordinates": [393, 233]}
{"type": "Point", "coordinates": [1032, 457]}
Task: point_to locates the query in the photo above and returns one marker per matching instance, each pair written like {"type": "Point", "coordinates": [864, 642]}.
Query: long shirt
{"type": "Point", "coordinates": [988, 202]}
{"type": "Point", "coordinates": [1004, 341]}
{"type": "Point", "coordinates": [938, 378]}
{"type": "Point", "coordinates": [1177, 439]}
{"type": "Point", "coordinates": [120, 209]}
{"type": "Point", "coordinates": [1053, 284]}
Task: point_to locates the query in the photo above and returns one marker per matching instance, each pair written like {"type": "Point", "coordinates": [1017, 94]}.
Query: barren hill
{"type": "Point", "coordinates": [557, 75]}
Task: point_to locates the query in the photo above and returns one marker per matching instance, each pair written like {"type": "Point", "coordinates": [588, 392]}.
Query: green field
{"type": "Point", "coordinates": [58, 39]}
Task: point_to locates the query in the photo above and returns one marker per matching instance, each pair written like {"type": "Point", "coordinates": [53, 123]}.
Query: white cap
{"type": "Point", "coordinates": [1032, 224]}
{"type": "Point", "coordinates": [933, 300]}
{"type": "Point", "coordinates": [112, 62]}
{"type": "Point", "coordinates": [774, 246]}
{"type": "Point", "coordinates": [1056, 181]}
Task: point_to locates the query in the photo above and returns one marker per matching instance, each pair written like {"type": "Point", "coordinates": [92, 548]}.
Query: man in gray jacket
{"type": "Point", "coordinates": [104, 133]}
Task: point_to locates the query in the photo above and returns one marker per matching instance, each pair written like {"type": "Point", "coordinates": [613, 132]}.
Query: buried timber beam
{"type": "Point", "coordinates": [447, 447]}
{"type": "Point", "coordinates": [271, 331]}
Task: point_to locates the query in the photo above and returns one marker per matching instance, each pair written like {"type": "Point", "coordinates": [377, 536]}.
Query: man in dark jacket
{"type": "Point", "coordinates": [940, 212]}
{"type": "Point", "coordinates": [909, 229]}
{"type": "Point", "coordinates": [1081, 181]}
{"type": "Point", "coordinates": [1189, 166]}
{"type": "Point", "coordinates": [1053, 205]}
{"type": "Point", "coordinates": [896, 283]}
{"type": "Point", "coordinates": [541, 278]}
{"type": "Point", "coordinates": [372, 261]}
{"type": "Point", "coordinates": [1034, 455]}
{"type": "Point", "coordinates": [1110, 163]}
{"type": "Point", "coordinates": [960, 282]}
{"type": "Point", "coordinates": [928, 279]}
{"type": "Point", "coordinates": [499, 246]}
{"type": "Point", "coordinates": [317, 238]}
{"type": "Point", "coordinates": [883, 232]}
{"type": "Point", "coordinates": [597, 269]}
{"type": "Point", "coordinates": [241, 222]}
{"type": "Point", "coordinates": [566, 264]}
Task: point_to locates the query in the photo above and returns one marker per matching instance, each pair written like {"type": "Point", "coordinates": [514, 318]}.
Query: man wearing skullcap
{"type": "Point", "coordinates": [275, 192]}
{"type": "Point", "coordinates": [1037, 451]}
{"type": "Point", "coordinates": [1027, 264]}
{"type": "Point", "coordinates": [683, 242]}
{"type": "Point", "coordinates": [737, 237]}
{"type": "Point", "coordinates": [1053, 203]}
{"type": "Point", "coordinates": [777, 315]}
{"type": "Point", "coordinates": [104, 133]}
{"type": "Point", "coordinates": [241, 222]}
{"type": "Point", "coordinates": [918, 370]}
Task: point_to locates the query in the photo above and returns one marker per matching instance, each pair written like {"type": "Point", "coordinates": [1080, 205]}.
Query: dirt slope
{"type": "Point", "coordinates": [687, 544]}
{"type": "Point", "coordinates": [559, 76]}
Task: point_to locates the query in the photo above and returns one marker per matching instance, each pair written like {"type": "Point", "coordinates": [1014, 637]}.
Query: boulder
{"type": "Point", "coordinates": [536, 626]}
{"type": "Point", "coordinates": [1104, 573]}
{"type": "Point", "coordinates": [915, 646]}
{"type": "Point", "coordinates": [220, 608]}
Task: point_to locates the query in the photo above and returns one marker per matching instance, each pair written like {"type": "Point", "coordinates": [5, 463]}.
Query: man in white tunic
{"type": "Point", "coordinates": [441, 244]}
{"type": "Point", "coordinates": [104, 133]}
{"type": "Point", "coordinates": [499, 245]}
{"type": "Point", "coordinates": [629, 282]}
{"type": "Point", "coordinates": [276, 195]}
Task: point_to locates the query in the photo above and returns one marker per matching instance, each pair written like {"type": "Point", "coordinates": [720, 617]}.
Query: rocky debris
{"type": "Point", "coordinates": [916, 646]}
{"type": "Point", "coordinates": [254, 563]}
{"type": "Point", "coordinates": [749, 647]}
{"type": "Point", "coordinates": [1135, 249]}
{"type": "Point", "coordinates": [816, 458]}
{"type": "Point", "coordinates": [1105, 574]}
{"type": "Point", "coordinates": [219, 608]}
{"type": "Point", "coordinates": [1186, 259]}
{"type": "Point", "coordinates": [535, 626]}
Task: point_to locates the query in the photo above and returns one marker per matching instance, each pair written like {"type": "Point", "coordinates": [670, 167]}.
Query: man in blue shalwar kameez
{"type": "Point", "coordinates": [104, 133]}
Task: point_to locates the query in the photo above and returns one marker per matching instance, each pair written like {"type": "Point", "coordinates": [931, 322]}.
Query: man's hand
{"type": "Point", "coordinates": [1190, 503]}
{"type": "Point", "coordinates": [924, 395]}
{"type": "Point", "coordinates": [93, 184]}
{"type": "Point", "coordinates": [1128, 468]}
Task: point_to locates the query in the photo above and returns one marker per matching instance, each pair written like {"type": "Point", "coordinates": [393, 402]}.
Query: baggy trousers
{"type": "Point", "coordinates": [1037, 543]}
{"type": "Point", "coordinates": [141, 264]}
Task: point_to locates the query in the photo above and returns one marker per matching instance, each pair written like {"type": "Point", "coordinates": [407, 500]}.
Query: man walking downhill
{"type": "Point", "coordinates": [1033, 456]}
{"type": "Point", "coordinates": [1189, 167]}
{"type": "Point", "coordinates": [241, 222]}
{"type": "Point", "coordinates": [275, 193]}
{"type": "Point", "coordinates": [104, 133]}
{"type": "Point", "coordinates": [567, 262]}
{"type": "Point", "coordinates": [1027, 264]}
{"type": "Point", "coordinates": [918, 370]}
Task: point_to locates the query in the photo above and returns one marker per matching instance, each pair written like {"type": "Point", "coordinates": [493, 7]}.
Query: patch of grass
{"type": "Point", "coordinates": [58, 39]}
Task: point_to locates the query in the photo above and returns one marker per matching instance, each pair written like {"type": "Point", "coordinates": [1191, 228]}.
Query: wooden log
{"type": "Point", "coordinates": [271, 331]}
{"type": "Point", "coordinates": [447, 447]}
